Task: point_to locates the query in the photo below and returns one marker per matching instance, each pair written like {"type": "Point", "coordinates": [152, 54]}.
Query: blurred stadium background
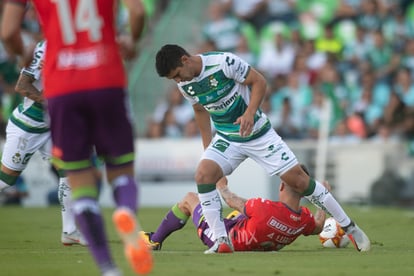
{"type": "Point", "coordinates": [354, 56]}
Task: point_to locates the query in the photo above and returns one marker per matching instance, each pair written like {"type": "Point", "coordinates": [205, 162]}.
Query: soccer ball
{"type": "Point", "coordinates": [332, 235]}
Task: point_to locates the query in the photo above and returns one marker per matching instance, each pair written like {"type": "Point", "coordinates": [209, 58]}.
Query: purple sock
{"type": "Point", "coordinates": [125, 192]}
{"type": "Point", "coordinates": [173, 221]}
{"type": "Point", "coordinates": [90, 223]}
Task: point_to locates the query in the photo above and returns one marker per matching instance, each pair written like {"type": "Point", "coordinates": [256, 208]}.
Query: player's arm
{"type": "Point", "coordinates": [231, 199]}
{"type": "Point", "coordinates": [202, 118]}
{"type": "Point", "coordinates": [319, 217]}
{"type": "Point", "coordinates": [25, 87]}
{"type": "Point", "coordinates": [258, 86]}
{"type": "Point", "coordinates": [12, 17]}
{"type": "Point", "coordinates": [136, 16]}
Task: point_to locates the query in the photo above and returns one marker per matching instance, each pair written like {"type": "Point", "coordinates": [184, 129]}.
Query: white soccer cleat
{"type": "Point", "coordinates": [358, 237]}
{"type": "Point", "coordinates": [73, 238]}
{"type": "Point", "coordinates": [112, 272]}
{"type": "Point", "coordinates": [222, 245]}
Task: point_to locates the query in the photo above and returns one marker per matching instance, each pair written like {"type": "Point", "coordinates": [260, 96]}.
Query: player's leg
{"type": "Point", "coordinates": [174, 220]}
{"type": "Point", "coordinates": [17, 151]}
{"type": "Point", "coordinates": [72, 149]}
{"type": "Point", "coordinates": [219, 159]}
{"type": "Point", "coordinates": [114, 141]}
{"type": "Point", "coordinates": [282, 161]}
{"type": "Point", "coordinates": [316, 193]}
{"type": "Point", "coordinates": [70, 233]}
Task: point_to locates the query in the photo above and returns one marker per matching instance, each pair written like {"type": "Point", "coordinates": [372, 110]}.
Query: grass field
{"type": "Point", "coordinates": [29, 245]}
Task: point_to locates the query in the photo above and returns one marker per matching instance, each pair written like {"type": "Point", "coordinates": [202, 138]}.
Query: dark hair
{"type": "Point", "coordinates": [168, 58]}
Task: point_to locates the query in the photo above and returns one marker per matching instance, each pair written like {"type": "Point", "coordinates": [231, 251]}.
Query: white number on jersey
{"type": "Point", "coordinates": [86, 18]}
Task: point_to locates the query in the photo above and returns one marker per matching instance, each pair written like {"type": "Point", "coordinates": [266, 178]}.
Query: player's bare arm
{"type": "Point", "coordinates": [202, 118]}
{"type": "Point", "coordinates": [319, 217]}
{"type": "Point", "coordinates": [25, 87]}
{"type": "Point", "coordinates": [231, 199]}
{"type": "Point", "coordinates": [258, 86]}
{"type": "Point", "coordinates": [10, 27]}
{"type": "Point", "coordinates": [11, 19]}
{"type": "Point", "coordinates": [128, 42]}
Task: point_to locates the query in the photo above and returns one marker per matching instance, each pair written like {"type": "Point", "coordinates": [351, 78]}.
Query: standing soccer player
{"type": "Point", "coordinates": [223, 87]}
{"type": "Point", "coordinates": [26, 133]}
{"type": "Point", "coordinates": [84, 84]}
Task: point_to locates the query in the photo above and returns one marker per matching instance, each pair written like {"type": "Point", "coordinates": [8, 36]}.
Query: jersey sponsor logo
{"type": "Point", "coordinates": [241, 69]}
{"type": "Point", "coordinates": [224, 104]}
{"type": "Point", "coordinates": [282, 227]}
{"type": "Point", "coordinates": [272, 150]}
{"type": "Point", "coordinates": [221, 145]}
{"type": "Point", "coordinates": [246, 237]}
{"type": "Point", "coordinates": [190, 91]}
{"type": "Point", "coordinates": [81, 59]}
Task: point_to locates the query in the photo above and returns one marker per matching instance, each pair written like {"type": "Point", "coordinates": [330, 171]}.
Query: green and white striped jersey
{"type": "Point", "coordinates": [220, 89]}
{"type": "Point", "coordinates": [29, 115]}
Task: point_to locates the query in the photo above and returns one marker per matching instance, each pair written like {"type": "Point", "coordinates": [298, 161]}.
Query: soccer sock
{"type": "Point", "coordinates": [3, 186]}
{"type": "Point", "coordinates": [65, 200]}
{"type": "Point", "coordinates": [174, 220]}
{"type": "Point", "coordinates": [6, 181]}
{"type": "Point", "coordinates": [212, 209]}
{"type": "Point", "coordinates": [90, 222]}
{"type": "Point", "coordinates": [125, 192]}
{"type": "Point", "coordinates": [322, 198]}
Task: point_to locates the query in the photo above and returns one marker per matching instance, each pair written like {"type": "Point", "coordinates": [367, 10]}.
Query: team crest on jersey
{"type": "Point", "coordinates": [190, 91]}
{"type": "Point", "coordinates": [17, 158]}
{"type": "Point", "coordinates": [213, 82]}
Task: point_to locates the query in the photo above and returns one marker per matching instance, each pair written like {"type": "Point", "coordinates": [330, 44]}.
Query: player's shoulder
{"type": "Point", "coordinates": [217, 56]}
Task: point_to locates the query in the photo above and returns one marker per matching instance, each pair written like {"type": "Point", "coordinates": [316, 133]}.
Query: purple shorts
{"type": "Point", "coordinates": [203, 230]}
{"type": "Point", "coordinates": [89, 121]}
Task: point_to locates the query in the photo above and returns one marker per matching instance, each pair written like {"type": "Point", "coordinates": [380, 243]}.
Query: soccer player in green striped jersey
{"type": "Point", "coordinates": [226, 90]}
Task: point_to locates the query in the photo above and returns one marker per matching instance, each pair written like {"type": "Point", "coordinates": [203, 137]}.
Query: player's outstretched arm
{"type": "Point", "coordinates": [231, 199]}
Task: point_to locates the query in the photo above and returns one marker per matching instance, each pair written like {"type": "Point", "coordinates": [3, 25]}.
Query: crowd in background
{"type": "Point", "coordinates": [357, 54]}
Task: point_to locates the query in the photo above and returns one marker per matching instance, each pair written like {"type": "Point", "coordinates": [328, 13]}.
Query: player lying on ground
{"type": "Point", "coordinates": [260, 224]}
{"type": "Point", "coordinates": [27, 132]}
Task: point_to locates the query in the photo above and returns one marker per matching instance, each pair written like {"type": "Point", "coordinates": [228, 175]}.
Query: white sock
{"type": "Point", "coordinates": [212, 211]}
{"type": "Point", "coordinates": [325, 200]}
{"type": "Point", "coordinates": [68, 218]}
{"type": "Point", "coordinates": [3, 185]}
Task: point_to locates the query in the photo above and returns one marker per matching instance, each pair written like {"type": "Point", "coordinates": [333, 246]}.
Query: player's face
{"type": "Point", "coordinates": [180, 74]}
{"type": "Point", "coordinates": [183, 72]}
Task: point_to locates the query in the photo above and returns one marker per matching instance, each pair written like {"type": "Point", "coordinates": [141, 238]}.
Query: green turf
{"type": "Point", "coordinates": [29, 245]}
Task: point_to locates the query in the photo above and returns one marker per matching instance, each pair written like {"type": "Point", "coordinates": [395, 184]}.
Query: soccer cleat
{"type": "Point", "coordinates": [75, 237]}
{"type": "Point", "coordinates": [222, 245]}
{"type": "Point", "coordinates": [135, 246]}
{"type": "Point", "coordinates": [357, 237]}
{"type": "Point", "coordinates": [150, 243]}
{"type": "Point", "coordinates": [112, 272]}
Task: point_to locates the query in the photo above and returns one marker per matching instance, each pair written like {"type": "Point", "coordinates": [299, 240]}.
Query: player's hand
{"type": "Point", "coordinates": [127, 46]}
{"type": "Point", "coordinates": [246, 123]}
{"type": "Point", "coordinates": [222, 183]}
{"type": "Point", "coordinates": [327, 185]}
